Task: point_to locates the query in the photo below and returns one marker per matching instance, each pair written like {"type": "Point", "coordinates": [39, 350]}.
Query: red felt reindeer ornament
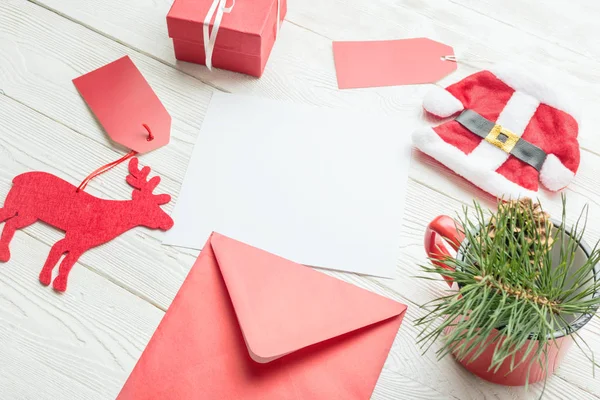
{"type": "Point", "coordinates": [86, 220]}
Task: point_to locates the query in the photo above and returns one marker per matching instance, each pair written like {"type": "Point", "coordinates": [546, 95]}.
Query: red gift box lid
{"type": "Point", "coordinates": [241, 30]}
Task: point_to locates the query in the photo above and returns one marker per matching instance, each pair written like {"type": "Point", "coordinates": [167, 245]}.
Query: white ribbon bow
{"type": "Point", "coordinates": [210, 38]}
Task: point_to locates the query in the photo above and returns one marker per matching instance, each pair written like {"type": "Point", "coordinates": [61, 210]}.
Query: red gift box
{"type": "Point", "coordinates": [244, 37]}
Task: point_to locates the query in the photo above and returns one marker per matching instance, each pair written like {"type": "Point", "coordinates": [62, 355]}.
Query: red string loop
{"type": "Point", "coordinates": [150, 135]}
{"type": "Point", "coordinates": [113, 164]}
{"type": "Point", "coordinates": [105, 168]}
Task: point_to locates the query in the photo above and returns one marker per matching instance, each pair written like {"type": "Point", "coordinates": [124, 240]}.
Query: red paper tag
{"type": "Point", "coordinates": [391, 62]}
{"type": "Point", "coordinates": [123, 102]}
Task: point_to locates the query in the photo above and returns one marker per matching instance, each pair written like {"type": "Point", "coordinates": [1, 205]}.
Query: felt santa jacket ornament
{"type": "Point", "coordinates": [509, 132]}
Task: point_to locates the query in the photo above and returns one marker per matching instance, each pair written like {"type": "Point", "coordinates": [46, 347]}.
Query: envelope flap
{"type": "Point", "coordinates": [283, 307]}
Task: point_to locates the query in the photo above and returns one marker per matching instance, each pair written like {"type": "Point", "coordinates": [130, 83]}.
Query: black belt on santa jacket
{"type": "Point", "coordinates": [502, 138]}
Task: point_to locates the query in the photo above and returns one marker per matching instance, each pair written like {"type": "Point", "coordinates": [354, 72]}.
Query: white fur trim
{"type": "Point", "coordinates": [554, 175]}
{"type": "Point", "coordinates": [426, 140]}
{"type": "Point", "coordinates": [518, 112]}
{"type": "Point", "coordinates": [540, 87]}
{"type": "Point", "coordinates": [441, 103]}
{"type": "Point", "coordinates": [515, 117]}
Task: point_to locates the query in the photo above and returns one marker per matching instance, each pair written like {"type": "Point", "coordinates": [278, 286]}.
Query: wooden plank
{"type": "Point", "coordinates": [297, 53]}
{"type": "Point", "coordinates": [39, 60]}
{"type": "Point", "coordinates": [178, 94]}
{"type": "Point", "coordinates": [479, 40]}
{"type": "Point", "coordinates": [303, 49]}
{"type": "Point", "coordinates": [406, 356]}
{"type": "Point", "coordinates": [339, 24]}
{"type": "Point", "coordinates": [24, 128]}
{"type": "Point", "coordinates": [26, 80]}
{"type": "Point", "coordinates": [79, 345]}
{"type": "Point", "coordinates": [446, 376]}
{"type": "Point", "coordinates": [136, 260]}
{"type": "Point", "coordinates": [36, 68]}
{"type": "Point", "coordinates": [570, 26]}
{"type": "Point", "coordinates": [419, 376]}
{"type": "Point", "coordinates": [103, 261]}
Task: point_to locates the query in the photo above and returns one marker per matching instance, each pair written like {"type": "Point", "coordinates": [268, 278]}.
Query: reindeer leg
{"type": "Point", "coordinates": [11, 225]}
{"type": "Point", "coordinates": [56, 252]}
{"type": "Point", "coordinates": [5, 214]}
{"type": "Point", "coordinates": [60, 283]}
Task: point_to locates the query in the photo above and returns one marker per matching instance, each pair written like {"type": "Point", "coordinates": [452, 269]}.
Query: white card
{"type": "Point", "coordinates": [316, 186]}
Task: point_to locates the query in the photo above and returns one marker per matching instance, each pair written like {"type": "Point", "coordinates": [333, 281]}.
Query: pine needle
{"type": "Point", "coordinates": [517, 286]}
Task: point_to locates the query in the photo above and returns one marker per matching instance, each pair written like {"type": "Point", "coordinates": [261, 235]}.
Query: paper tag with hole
{"type": "Point", "coordinates": [126, 106]}
{"type": "Point", "coordinates": [391, 62]}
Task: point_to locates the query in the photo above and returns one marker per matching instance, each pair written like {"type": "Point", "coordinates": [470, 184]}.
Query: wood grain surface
{"type": "Point", "coordinates": [84, 343]}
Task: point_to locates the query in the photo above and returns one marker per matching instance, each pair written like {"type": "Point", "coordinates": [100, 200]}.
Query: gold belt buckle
{"type": "Point", "coordinates": [502, 138]}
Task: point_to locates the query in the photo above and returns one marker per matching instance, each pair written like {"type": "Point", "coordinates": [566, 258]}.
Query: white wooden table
{"type": "Point", "coordinates": [83, 344]}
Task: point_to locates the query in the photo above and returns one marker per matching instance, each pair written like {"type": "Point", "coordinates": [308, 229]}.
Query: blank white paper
{"type": "Point", "coordinates": [317, 186]}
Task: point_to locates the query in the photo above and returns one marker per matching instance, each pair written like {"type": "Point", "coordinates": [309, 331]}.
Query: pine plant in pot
{"type": "Point", "coordinates": [521, 287]}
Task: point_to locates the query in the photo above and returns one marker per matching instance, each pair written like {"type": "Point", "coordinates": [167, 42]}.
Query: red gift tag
{"type": "Point", "coordinates": [126, 106]}
{"type": "Point", "coordinates": [391, 62]}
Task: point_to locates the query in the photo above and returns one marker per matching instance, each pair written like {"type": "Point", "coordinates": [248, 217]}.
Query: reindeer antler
{"type": "Point", "coordinates": [138, 179]}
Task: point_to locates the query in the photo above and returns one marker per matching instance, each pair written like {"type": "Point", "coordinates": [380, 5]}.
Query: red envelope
{"type": "Point", "coordinates": [247, 324]}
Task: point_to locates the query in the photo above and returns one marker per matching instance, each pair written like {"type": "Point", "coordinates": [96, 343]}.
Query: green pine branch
{"type": "Point", "coordinates": [514, 284]}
